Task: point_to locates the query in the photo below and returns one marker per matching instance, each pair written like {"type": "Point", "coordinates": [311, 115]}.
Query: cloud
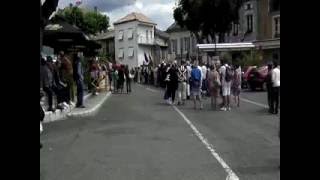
{"type": "Point", "coordinates": [159, 11]}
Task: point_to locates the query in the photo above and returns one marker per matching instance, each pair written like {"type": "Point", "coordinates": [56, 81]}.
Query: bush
{"type": "Point", "coordinates": [249, 59]}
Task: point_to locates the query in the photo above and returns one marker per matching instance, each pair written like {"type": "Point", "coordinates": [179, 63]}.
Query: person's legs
{"type": "Point", "coordinates": [194, 101]}
{"type": "Point", "coordinates": [179, 93]}
{"type": "Point", "coordinates": [188, 91]}
{"type": "Point", "coordinates": [173, 95]}
{"type": "Point", "coordinates": [228, 96]}
{"type": "Point", "coordinates": [49, 94]}
{"type": "Point", "coordinates": [269, 95]}
{"type": "Point", "coordinates": [277, 96]}
{"type": "Point", "coordinates": [224, 98]}
{"type": "Point", "coordinates": [272, 100]}
{"type": "Point", "coordinates": [184, 92]}
{"type": "Point", "coordinates": [79, 93]}
{"type": "Point", "coordinates": [201, 107]}
{"type": "Point", "coordinates": [72, 93]}
{"type": "Point", "coordinates": [127, 85]}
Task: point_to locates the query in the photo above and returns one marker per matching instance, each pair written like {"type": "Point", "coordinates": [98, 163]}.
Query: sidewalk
{"type": "Point", "coordinates": [91, 102]}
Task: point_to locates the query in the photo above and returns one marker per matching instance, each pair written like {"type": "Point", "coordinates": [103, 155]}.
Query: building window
{"type": "Point", "coordinates": [187, 44]}
{"type": "Point", "coordinates": [130, 33]}
{"type": "Point", "coordinates": [147, 34]}
{"type": "Point", "coordinates": [248, 6]}
{"type": "Point", "coordinates": [235, 29]}
{"type": "Point", "coordinates": [249, 23]}
{"type": "Point", "coordinates": [181, 45]}
{"type": "Point", "coordinates": [131, 54]}
{"type": "Point", "coordinates": [276, 25]}
{"type": "Point", "coordinates": [120, 37]}
{"type": "Point", "coordinates": [174, 46]}
{"type": "Point", "coordinates": [274, 5]}
{"type": "Point", "coordinates": [193, 44]}
{"type": "Point", "coordinates": [120, 55]}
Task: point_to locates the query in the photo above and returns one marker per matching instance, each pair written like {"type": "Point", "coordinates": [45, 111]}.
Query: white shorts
{"type": "Point", "coordinates": [226, 89]}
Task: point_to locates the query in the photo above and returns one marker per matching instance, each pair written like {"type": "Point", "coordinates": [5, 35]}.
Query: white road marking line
{"type": "Point", "coordinates": [231, 174]}
{"type": "Point", "coordinates": [255, 103]}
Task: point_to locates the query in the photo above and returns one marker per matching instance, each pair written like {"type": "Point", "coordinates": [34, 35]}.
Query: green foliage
{"type": "Point", "coordinates": [207, 17]}
{"type": "Point", "coordinates": [90, 22]}
{"type": "Point", "coordinates": [249, 59]}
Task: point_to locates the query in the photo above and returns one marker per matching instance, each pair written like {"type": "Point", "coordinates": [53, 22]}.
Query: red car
{"type": "Point", "coordinates": [255, 77]}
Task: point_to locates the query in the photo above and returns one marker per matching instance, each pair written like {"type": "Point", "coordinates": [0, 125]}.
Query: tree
{"type": "Point", "coordinates": [95, 22]}
{"type": "Point", "coordinates": [91, 22]}
{"type": "Point", "coordinates": [207, 18]}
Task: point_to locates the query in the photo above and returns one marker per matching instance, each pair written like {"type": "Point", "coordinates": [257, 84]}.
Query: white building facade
{"type": "Point", "coordinates": [134, 40]}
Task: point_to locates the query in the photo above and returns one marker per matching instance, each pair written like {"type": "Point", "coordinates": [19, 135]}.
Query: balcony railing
{"type": "Point", "coordinates": [144, 40]}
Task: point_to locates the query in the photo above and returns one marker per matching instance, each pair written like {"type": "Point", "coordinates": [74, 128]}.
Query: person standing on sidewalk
{"type": "Point", "coordinates": [121, 77]}
{"type": "Point", "coordinates": [236, 85]}
{"type": "Point", "coordinates": [173, 82]}
{"type": "Point", "coordinates": [275, 88]}
{"type": "Point", "coordinates": [47, 82]}
{"type": "Point", "coordinates": [195, 85]}
{"type": "Point", "coordinates": [189, 69]}
{"type": "Point", "coordinates": [226, 76]}
{"type": "Point", "coordinates": [128, 78]}
{"type": "Point", "coordinates": [269, 86]}
{"type": "Point", "coordinates": [67, 75]}
{"type": "Point", "coordinates": [42, 114]}
{"type": "Point", "coordinates": [214, 85]}
{"type": "Point", "coordinates": [182, 86]}
{"type": "Point", "coordinates": [78, 77]}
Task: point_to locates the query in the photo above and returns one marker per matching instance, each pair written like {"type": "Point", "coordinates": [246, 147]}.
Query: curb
{"type": "Point", "coordinates": [60, 114]}
{"type": "Point", "coordinates": [91, 110]}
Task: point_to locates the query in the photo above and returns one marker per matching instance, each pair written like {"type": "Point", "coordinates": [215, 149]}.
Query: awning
{"type": "Point", "coordinates": [62, 35]}
{"type": "Point", "coordinates": [268, 44]}
{"type": "Point", "coordinates": [226, 47]}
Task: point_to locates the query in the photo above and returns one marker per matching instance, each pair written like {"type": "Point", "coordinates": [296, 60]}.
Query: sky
{"type": "Point", "coordinates": [159, 11]}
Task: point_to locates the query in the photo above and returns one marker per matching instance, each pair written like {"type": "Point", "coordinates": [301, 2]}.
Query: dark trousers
{"type": "Point", "coordinates": [172, 91]}
{"type": "Point", "coordinates": [128, 83]}
{"type": "Point", "coordinates": [49, 93]}
{"type": "Point", "coordinates": [59, 94]}
{"type": "Point", "coordinates": [79, 92]}
{"type": "Point", "coordinates": [275, 99]}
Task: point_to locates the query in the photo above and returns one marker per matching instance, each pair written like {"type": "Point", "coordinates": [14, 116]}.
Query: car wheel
{"type": "Point", "coordinates": [252, 87]}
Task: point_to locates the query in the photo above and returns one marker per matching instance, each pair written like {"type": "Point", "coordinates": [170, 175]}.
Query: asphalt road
{"type": "Point", "coordinates": [138, 137]}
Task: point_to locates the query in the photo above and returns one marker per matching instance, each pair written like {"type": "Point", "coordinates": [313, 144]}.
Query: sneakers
{"type": "Point", "coordinates": [168, 101]}
{"type": "Point", "coordinates": [80, 106]}
{"type": "Point", "coordinates": [65, 105]}
{"type": "Point", "coordinates": [229, 109]}
{"type": "Point", "coordinates": [223, 109]}
{"type": "Point", "coordinates": [71, 103]}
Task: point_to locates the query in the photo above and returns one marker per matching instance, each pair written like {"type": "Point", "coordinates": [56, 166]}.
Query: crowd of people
{"type": "Point", "coordinates": [194, 81]}
{"type": "Point", "coordinates": [120, 77]}
{"type": "Point", "coordinates": [65, 79]}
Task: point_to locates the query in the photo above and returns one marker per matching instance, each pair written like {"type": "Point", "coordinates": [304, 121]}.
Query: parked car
{"type": "Point", "coordinates": [255, 77]}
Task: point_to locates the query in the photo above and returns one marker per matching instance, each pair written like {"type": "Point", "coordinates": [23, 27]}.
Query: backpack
{"type": "Point", "coordinates": [228, 75]}
{"type": "Point", "coordinates": [196, 74]}
{"type": "Point", "coordinates": [237, 78]}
